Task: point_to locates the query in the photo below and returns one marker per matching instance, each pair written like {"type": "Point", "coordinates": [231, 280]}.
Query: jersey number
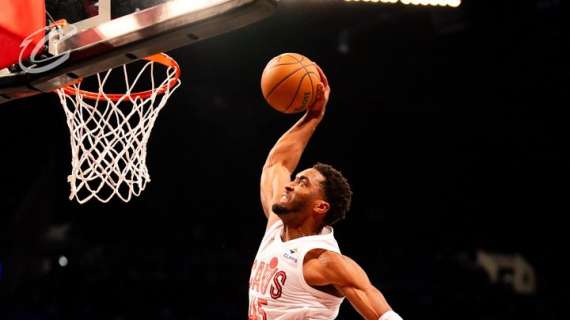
{"type": "Point", "coordinates": [256, 309]}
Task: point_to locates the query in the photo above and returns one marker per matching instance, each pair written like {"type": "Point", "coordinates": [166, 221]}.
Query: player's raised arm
{"type": "Point", "coordinates": [286, 153]}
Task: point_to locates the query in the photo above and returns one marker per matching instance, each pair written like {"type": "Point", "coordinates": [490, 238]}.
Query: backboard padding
{"type": "Point", "coordinates": [159, 28]}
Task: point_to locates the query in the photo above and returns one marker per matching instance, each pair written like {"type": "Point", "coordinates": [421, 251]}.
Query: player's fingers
{"type": "Point", "coordinates": [324, 79]}
{"type": "Point", "coordinates": [320, 91]}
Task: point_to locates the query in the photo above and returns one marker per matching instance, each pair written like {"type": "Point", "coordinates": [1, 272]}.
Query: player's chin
{"type": "Point", "coordinates": [280, 208]}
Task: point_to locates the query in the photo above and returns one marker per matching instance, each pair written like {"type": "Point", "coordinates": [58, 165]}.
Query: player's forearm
{"type": "Point", "coordinates": [369, 302]}
{"type": "Point", "coordinates": [289, 148]}
{"type": "Point", "coordinates": [382, 310]}
{"type": "Point", "coordinates": [377, 302]}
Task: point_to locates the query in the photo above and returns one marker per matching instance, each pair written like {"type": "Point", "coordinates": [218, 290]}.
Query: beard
{"type": "Point", "coordinates": [282, 210]}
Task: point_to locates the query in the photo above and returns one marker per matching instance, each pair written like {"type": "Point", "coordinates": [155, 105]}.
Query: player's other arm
{"type": "Point", "coordinates": [351, 281]}
{"type": "Point", "coordinates": [286, 153]}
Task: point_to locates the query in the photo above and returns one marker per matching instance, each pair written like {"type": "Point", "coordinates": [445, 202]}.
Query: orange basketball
{"type": "Point", "coordinates": [289, 82]}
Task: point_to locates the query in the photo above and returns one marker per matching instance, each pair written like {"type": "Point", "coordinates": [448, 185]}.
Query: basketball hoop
{"type": "Point", "coordinates": [110, 131]}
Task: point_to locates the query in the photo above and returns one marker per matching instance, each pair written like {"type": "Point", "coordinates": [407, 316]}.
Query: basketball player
{"type": "Point", "coordinates": [299, 272]}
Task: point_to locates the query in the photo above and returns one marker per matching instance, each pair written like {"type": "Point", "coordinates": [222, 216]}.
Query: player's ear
{"type": "Point", "coordinates": [321, 206]}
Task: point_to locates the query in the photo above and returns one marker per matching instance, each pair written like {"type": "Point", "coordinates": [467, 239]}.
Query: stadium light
{"type": "Point", "coordinates": [433, 3]}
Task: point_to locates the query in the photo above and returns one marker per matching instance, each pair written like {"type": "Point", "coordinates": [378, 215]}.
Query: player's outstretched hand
{"type": "Point", "coordinates": [323, 93]}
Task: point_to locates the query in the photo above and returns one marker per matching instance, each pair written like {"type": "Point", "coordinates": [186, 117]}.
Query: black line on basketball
{"type": "Point", "coordinates": [283, 80]}
{"type": "Point", "coordinates": [284, 64]}
{"type": "Point", "coordinates": [296, 92]}
{"type": "Point", "coordinates": [312, 87]}
{"type": "Point", "coordinates": [313, 97]}
{"type": "Point", "coordinates": [292, 56]}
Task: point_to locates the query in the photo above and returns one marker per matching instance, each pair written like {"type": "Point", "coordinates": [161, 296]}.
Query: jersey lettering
{"type": "Point", "coordinates": [279, 282]}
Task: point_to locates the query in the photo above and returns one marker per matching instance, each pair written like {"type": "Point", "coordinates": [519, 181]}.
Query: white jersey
{"type": "Point", "coordinates": [277, 287]}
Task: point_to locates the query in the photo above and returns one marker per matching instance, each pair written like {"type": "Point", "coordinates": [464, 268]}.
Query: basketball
{"type": "Point", "coordinates": [289, 82]}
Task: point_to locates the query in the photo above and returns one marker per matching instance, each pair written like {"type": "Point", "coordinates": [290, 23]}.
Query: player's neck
{"type": "Point", "coordinates": [295, 232]}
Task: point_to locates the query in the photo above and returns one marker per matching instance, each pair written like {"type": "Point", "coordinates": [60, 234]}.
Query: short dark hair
{"type": "Point", "coordinates": [337, 192]}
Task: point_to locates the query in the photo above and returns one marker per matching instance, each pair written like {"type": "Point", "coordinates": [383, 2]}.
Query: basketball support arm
{"type": "Point", "coordinates": [286, 153]}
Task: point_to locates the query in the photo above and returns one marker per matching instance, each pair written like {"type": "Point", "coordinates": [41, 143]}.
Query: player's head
{"type": "Point", "coordinates": [321, 191]}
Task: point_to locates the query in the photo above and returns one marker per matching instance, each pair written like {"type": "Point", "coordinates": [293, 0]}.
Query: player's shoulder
{"type": "Point", "coordinates": [333, 268]}
{"type": "Point", "coordinates": [330, 258]}
{"type": "Point", "coordinates": [330, 262]}
{"type": "Point", "coordinates": [320, 267]}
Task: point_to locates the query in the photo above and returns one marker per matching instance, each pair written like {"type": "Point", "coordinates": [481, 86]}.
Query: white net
{"type": "Point", "coordinates": [109, 138]}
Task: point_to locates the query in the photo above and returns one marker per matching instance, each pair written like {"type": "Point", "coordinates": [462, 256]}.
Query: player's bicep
{"type": "Point", "coordinates": [331, 268]}
{"type": "Point", "coordinates": [350, 281]}
{"type": "Point", "coordinates": [354, 284]}
{"type": "Point", "coordinates": [273, 181]}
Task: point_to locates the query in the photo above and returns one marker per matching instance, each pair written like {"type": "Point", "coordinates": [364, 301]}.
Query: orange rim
{"type": "Point", "coordinates": [58, 24]}
{"type": "Point", "coordinates": [161, 58]}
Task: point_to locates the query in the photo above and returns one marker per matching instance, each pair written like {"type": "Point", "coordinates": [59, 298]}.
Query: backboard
{"type": "Point", "coordinates": [103, 34]}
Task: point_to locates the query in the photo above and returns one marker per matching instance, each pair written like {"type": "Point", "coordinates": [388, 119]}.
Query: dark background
{"type": "Point", "coordinates": [447, 122]}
